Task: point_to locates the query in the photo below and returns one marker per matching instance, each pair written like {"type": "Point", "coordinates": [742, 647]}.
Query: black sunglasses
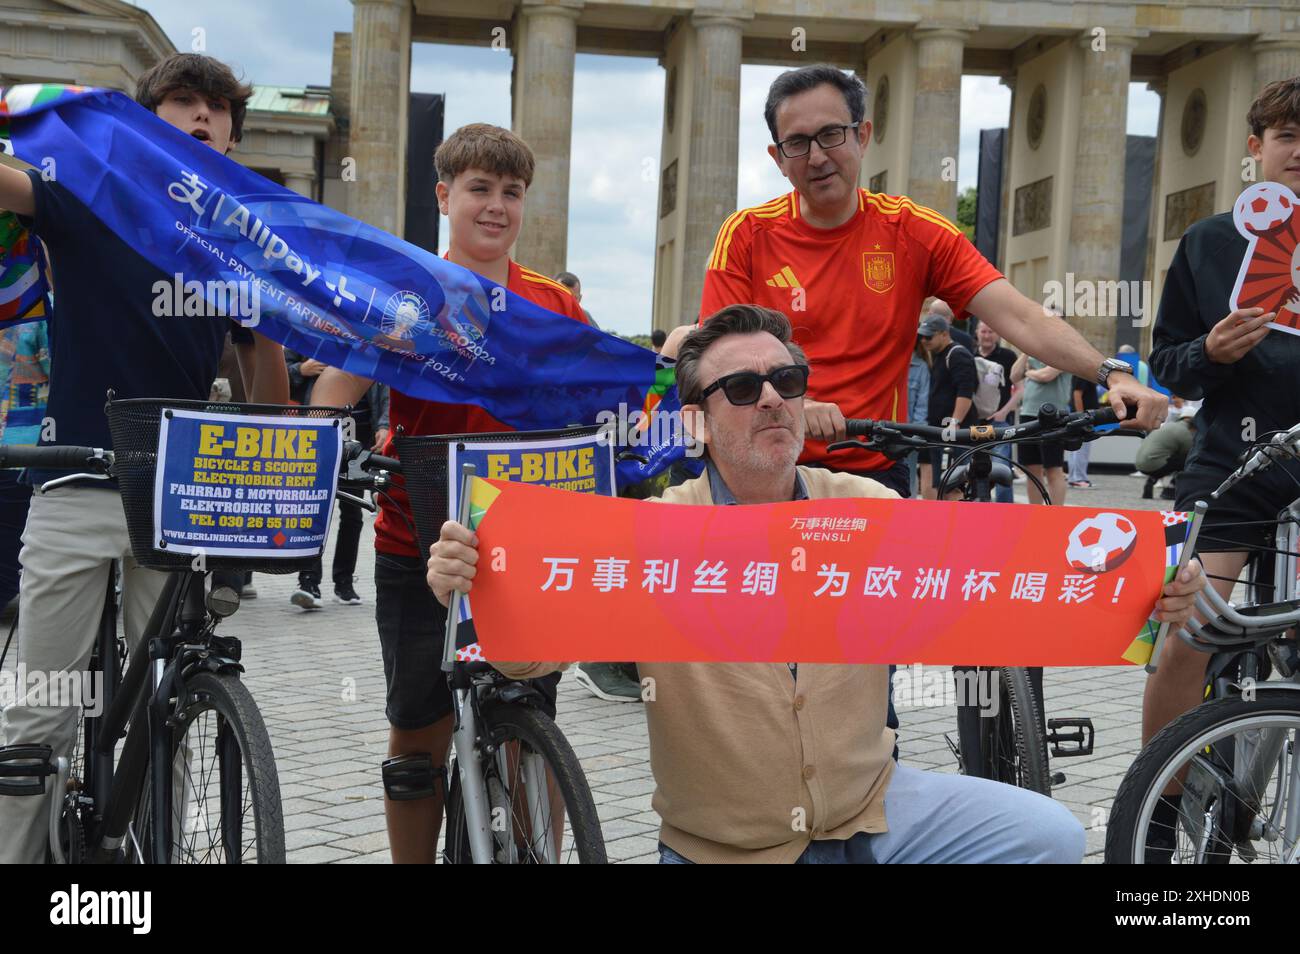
{"type": "Point", "coordinates": [746, 387]}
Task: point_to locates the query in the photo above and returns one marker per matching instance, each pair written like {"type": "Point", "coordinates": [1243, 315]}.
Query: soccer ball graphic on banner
{"type": "Point", "coordinates": [1265, 206]}
{"type": "Point", "coordinates": [1100, 544]}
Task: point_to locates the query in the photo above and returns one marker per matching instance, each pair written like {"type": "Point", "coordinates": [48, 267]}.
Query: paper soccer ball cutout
{"type": "Point", "coordinates": [1100, 544]}
{"type": "Point", "coordinates": [1269, 276]}
{"type": "Point", "coordinates": [1265, 206]}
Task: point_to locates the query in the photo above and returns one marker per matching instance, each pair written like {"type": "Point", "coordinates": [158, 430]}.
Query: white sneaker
{"type": "Point", "coordinates": [307, 597]}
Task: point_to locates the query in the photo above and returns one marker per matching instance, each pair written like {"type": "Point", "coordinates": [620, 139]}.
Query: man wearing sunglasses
{"type": "Point", "coordinates": [784, 762]}
{"type": "Point", "coordinates": [851, 268]}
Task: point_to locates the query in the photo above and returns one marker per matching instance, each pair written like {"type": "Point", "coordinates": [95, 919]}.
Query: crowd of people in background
{"type": "Point", "coordinates": [949, 367]}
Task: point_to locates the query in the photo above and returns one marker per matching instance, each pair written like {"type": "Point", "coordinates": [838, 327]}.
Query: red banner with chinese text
{"type": "Point", "coordinates": [566, 576]}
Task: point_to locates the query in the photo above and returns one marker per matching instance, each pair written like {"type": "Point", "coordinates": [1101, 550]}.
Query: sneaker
{"type": "Point", "coordinates": [1081, 484]}
{"type": "Point", "coordinates": [307, 595]}
{"type": "Point", "coordinates": [608, 681]}
{"type": "Point", "coordinates": [248, 592]}
{"type": "Point", "coordinates": [345, 593]}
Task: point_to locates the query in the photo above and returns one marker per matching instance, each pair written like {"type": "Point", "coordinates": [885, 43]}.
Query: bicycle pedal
{"type": "Point", "coordinates": [407, 777]}
{"type": "Point", "coordinates": [23, 769]}
{"type": "Point", "coordinates": [1080, 739]}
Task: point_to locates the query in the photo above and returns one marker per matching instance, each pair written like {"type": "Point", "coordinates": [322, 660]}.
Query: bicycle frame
{"type": "Point", "coordinates": [141, 708]}
{"type": "Point", "coordinates": [466, 729]}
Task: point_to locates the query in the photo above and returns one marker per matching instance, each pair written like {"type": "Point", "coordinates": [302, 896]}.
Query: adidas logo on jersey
{"type": "Point", "coordinates": [784, 279]}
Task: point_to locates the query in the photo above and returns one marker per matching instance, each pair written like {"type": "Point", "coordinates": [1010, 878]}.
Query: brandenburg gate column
{"type": "Point", "coordinates": [936, 119]}
{"type": "Point", "coordinates": [713, 167]}
{"type": "Point", "coordinates": [381, 85]}
{"type": "Point", "coordinates": [699, 153]}
{"type": "Point", "coordinates": [1276, 58]}
{"type": "Point", "coordinates": [545, 44]}
{"type": "Point", "coordinates": [1097, 205]}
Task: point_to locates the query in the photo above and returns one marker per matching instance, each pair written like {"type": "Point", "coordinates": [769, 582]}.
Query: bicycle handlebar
{"type": "Point", "coordinates": [1281, 445]}
{"type": "Point", "coordinates": [378, 462]}
{"type": "Point", "coordinates": [56, 457]}
{"type": "Point", "coordinates": [1051, 423]}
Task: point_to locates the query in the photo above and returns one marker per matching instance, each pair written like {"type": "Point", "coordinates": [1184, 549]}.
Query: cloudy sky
{"type": "Point", "coordinates": [617, 109]}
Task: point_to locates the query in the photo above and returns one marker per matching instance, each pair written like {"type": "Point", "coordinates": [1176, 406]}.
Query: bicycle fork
{"type": "Point", "coordinates": [1262, 752]}
{"type": "Point", "coordinates": [473, 791]}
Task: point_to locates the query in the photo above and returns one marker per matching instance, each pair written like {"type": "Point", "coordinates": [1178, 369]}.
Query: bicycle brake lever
{"type": "Point", "coordinates": [359, 501]}
{"type": "Point", "coordinates": [894, 446]}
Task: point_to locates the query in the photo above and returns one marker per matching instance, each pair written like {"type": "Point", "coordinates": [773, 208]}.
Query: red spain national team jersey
{"type": "Point", "coordinates": [417, 416]}
{"type": "Point", "coordinates": [853, 294]}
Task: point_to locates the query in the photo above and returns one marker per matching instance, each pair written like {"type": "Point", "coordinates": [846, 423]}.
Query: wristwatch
{"type": "Point", "coordinates": [1110, 365]}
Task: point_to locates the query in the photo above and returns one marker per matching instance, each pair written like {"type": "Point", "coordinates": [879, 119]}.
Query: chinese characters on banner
{"type": "Point", "coordinates": [821, 581]}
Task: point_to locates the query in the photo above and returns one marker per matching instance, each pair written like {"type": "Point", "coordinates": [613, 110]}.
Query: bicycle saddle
{"type": "Point", "coordinates": [999, 476]}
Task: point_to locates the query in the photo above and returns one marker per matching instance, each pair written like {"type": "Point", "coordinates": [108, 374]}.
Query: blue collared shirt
{"type": "Point", "coordinates": [722, 495]}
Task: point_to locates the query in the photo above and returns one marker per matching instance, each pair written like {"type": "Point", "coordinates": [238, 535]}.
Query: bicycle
{"type": "Point", "coordinates": [515, 790]}
{"type": "Point", "coordinates": [195, 779]}
{"type": "Point", "coordinates": [1011, 744]}
{"type": "Point", "coordinates": [1235, 759]}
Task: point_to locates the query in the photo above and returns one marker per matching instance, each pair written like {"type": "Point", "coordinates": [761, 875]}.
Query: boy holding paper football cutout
{"type": "Point", "coordinates": [1247, 377]}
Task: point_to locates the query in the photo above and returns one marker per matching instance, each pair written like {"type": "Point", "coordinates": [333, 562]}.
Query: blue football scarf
{"type": "Point", "coordinates": [330, 287]}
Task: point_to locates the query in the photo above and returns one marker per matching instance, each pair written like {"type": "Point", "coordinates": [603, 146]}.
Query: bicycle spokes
{"type": "Point", "coordinates": [1239, 801]}
{"type": "Point", "coordinates": [528, 821]}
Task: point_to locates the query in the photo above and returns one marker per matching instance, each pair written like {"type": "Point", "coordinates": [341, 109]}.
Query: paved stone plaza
{"type": "Point", "coordinates": [319, 680]}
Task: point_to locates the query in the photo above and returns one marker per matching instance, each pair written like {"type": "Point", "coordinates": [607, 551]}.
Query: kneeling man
{"type": "Point", "coordinates": [786, 763]}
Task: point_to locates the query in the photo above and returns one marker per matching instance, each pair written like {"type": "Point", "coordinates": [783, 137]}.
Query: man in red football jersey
{"type": "Point", "coordinates": [851, 269]}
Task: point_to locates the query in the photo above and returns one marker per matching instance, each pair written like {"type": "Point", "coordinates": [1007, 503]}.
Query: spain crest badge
{"type": "Point", "coordinates": [878, 270]}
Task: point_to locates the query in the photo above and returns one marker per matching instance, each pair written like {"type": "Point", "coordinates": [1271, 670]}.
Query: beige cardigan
{"type": "Point", "coordinates": [751, 765]}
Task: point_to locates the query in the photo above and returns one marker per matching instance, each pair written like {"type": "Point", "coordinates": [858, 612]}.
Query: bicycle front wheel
{"type": "Point", "coordinates": [540, 807]}
{"type": "Point", "coordinates": [225, 788]}
{"type": "Point", "coordinates": [1006, 745]}
{"type": "Point", "coordinates": [1233, 763]}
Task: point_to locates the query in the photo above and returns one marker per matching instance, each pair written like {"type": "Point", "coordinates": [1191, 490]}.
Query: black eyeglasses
{"type": "Point", "coordinates": [746, 387]}
{"type": "Point", "coordinates": [828, 138]}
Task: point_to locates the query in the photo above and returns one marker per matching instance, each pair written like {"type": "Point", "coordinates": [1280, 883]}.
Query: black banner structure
{"type": "Point", "coordinates": [423, 136]}
{"type": "Point", "coordinates": [988, 201]}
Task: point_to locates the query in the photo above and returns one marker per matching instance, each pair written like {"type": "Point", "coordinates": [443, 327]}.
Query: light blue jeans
{"type": "Point", "coordinates": [942, 818]}
{"type": "Point", "coordinates": [1079, 464]}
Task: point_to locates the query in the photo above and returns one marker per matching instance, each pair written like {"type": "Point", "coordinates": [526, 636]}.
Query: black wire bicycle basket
{"type": "Point", "coordinates": [424, 470]}
{"type": "Point", "coordinates": [134, 424]}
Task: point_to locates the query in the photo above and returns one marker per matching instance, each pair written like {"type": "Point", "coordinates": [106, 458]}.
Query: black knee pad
{"type": "Point", "coordinates": [408, 777]}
